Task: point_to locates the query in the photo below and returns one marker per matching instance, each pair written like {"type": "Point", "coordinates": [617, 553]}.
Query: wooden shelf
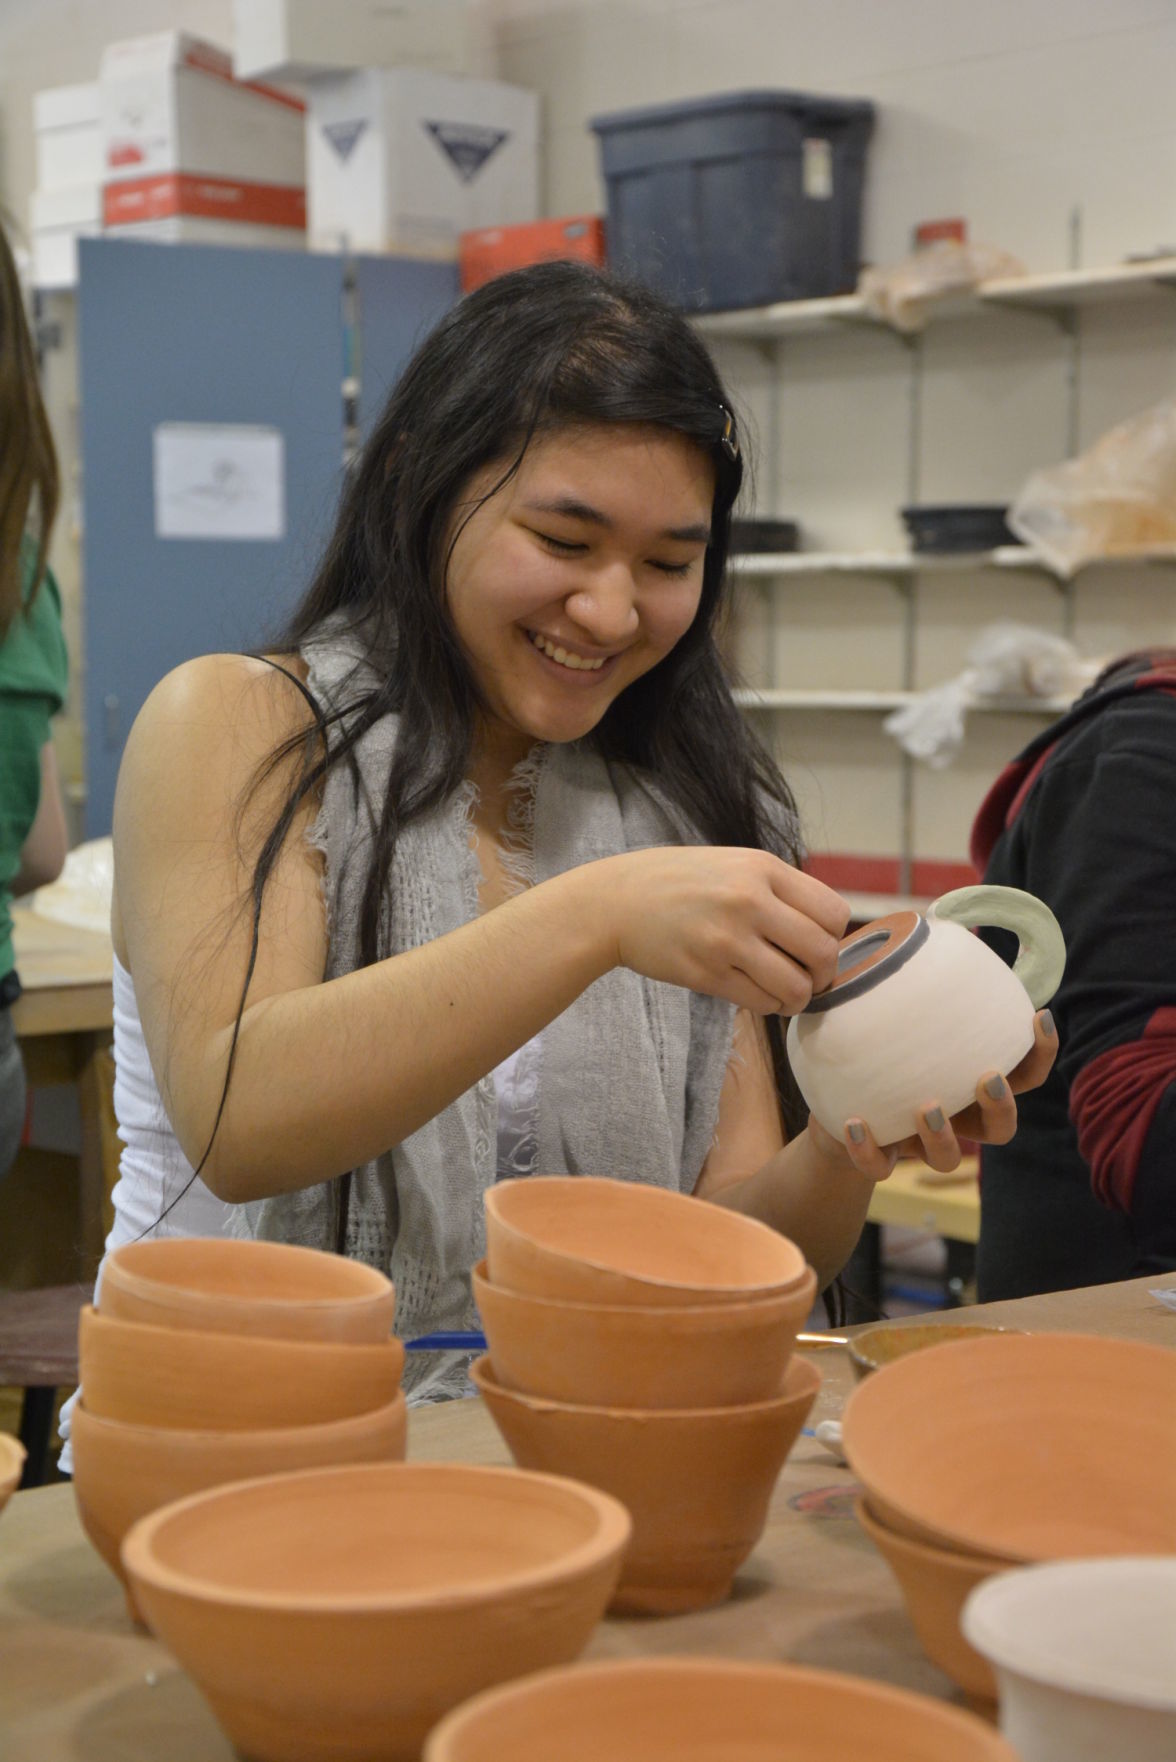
{"type": "Point", "coordinates": [878, 702]}
{"type": "Point", "coordinates": [789, 318]}
{"type": "Point", "coordinates": [1062, 289]}
{"type": "Point", "coordinates": [884, 562]}
{"type": "Point", "coordinates": [773, 564]}
{"type": "Point", "coordinates": [1082, 287]}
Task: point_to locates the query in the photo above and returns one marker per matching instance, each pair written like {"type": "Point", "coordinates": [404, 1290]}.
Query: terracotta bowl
{"type": "Point", "coordinates": [696, 1483]}
{"type": "Point", "coordinates": [710, 1710]}
{"type": "Point", "coordinates": [935, 1583]}
{"type": "Point", "coordinates": [121, 1472]}
{"type": "Point", "coordinates": [581, 1239]}
{"type": "Point", "coordinates": [338, 1615]}
{"type": "Point", "coordinates": [12, 1461]}
{"type": "Point", "coordinates": [1022, 1446]}
{"type": "Point", "coordinates": [874, 1347]}
{"type": "Point", "coordinates": [1083, 1652]}
{"type": "Point", "coordinates": [226, 1286]}
{"type": "Point", "coordinates": [710, 1355]}
{"type": "Point", "coordinates": [153, 1376]}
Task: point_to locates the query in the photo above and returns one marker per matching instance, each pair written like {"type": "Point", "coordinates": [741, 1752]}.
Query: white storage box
{"type": "Point", "coordinates": [59, 219]}
{"type": "Point", "coordinates": [68, 128]}
{"type": "Point", "coordinates": [403, 160]}
{"type": "Point", "coordinates": [172, 112]}
{"type": "Point", "coordinates": [297, 39]}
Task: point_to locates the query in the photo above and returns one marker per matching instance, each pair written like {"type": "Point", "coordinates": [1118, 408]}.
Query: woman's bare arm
{"type": "Point", "coordinates": [43, 853]}
{"type": "Point", "coordinates": [329, 1074]}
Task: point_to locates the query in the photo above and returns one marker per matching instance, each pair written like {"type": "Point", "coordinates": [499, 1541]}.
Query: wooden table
{"type": "Point", "coordinates": [919, 1198]}
{"type": "Point", "coordinates": [79, 1683]}
{"type": "Point", "coordinates": [64, 1022]}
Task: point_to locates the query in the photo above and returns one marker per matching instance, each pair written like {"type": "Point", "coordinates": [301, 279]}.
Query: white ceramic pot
{"type": "Point", "coordinates": [1085, 1657]}
{"type": "Point", "coordinates": [920, 1009]}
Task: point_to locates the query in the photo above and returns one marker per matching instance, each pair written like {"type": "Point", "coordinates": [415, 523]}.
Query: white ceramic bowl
{"type": "Point", "coordinates": [1085, 1657]}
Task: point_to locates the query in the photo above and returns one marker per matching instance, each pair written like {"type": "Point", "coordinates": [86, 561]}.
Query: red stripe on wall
{"type": "Point", "coordinates": [852, 873]}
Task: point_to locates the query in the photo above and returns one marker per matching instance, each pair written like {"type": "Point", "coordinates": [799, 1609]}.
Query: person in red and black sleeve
{"type": "Point", "coordinates": [1085, 819]}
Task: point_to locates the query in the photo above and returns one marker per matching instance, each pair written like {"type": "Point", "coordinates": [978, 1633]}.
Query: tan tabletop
{"type": "Point", "coordinates": [64, 1022]}
{"type": "Point", "coordinates": [66, 974]}
{"type": "Point", "coordinates": [921, 1199]}
{"type": "Point", "coordinates": [79, 1683]}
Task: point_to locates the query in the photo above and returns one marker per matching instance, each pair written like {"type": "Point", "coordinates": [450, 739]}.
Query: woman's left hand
{"type": "Point", "coordinates": [990, 1119]}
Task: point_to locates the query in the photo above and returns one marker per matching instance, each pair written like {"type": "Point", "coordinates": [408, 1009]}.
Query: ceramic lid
{"type": "Point", "coordinates": [870, 955]}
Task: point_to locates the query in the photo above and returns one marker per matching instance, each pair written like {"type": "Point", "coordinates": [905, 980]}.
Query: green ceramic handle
{"type": "Point", "coordinates": [1041, 958]}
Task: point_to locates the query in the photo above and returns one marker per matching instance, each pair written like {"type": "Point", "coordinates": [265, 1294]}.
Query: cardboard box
{"type": "Point", "coordinates": [67, 126]}
{"type": "Point", "coordinates": [403, 160]}
{"type": "Point", "coordinates": [493, 250]}
{"type": "Point", "coordinates": [59, 219]}
{"type": "Point", "coordinates": [170, 104]}
{"type": "Point", "coordinates": [299, 39]}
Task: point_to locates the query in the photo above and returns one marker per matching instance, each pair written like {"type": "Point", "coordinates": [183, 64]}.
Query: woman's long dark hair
{"type": "Point", "coordinates": [556, 346]}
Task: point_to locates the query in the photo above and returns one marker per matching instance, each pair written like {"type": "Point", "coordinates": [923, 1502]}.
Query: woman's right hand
{"type": "Point", "coordinates": [731, 922]}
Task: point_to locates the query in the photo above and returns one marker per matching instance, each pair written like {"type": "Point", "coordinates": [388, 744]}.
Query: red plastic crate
{"type": "Point", "coordinates": [492, 250]}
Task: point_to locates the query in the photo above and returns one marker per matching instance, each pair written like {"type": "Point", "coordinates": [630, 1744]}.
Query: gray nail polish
{"type": "Point", "coordinates": [1047, 1022]}
{"type": "Point", "coordinates": [995, 1087]}
{"type": "Point", "coordinates": [856, 1131]}
{"type": "Point", "coordinates": [936, 1119]}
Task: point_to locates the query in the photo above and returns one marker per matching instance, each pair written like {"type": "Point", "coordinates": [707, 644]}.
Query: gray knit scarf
{"type": "Point", "coordinates": [630, 1073]}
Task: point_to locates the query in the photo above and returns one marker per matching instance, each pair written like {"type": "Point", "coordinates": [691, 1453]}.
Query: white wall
{"type": "Point", "coordinates": [1012, 113]}
{"type": "Point", "coordinates": [1017, 115]}
{"type": "Point", "coordinates": [1007, 111]}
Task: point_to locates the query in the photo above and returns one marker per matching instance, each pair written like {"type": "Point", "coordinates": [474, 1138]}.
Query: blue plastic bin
{"type": "Point", "coordinates": [738, 199]}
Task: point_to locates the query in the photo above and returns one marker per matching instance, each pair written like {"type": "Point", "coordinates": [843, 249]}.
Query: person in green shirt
{"type": "Point", "coordinates": [33, 667]}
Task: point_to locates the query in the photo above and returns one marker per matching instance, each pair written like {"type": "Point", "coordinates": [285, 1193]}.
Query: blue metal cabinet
{"type": "Point", "coordinates": [194, 334]}
{"type": "Point", "coordinates": [248, 340]}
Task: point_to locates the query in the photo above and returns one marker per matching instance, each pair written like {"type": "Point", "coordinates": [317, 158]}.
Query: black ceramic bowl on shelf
{"type": "Point", "coordinates": [764, 535]}
{"type": "Point", "coordinates": [959, 526]}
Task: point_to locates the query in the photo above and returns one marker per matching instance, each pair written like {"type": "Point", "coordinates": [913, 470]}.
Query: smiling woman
{"type": "Point", "coordinates": [560, 599]}
{"type": "Point", "coordinates": [478, 871]}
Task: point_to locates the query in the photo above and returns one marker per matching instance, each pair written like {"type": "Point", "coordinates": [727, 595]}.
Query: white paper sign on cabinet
{"type": "Point", "coordinates": [216, 480]}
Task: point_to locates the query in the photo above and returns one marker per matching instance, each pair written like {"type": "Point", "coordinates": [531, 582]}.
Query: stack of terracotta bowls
{"type": "Point", "coordinates": [209, 1361]}
{"type": "Point", "coordinates": [984, 1454]}
{"type": "Point", "coordinates": [642, 1341]}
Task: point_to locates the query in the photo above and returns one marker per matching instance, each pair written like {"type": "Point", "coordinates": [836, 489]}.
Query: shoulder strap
{"type": "Point", "coordinates": [343, 1182]}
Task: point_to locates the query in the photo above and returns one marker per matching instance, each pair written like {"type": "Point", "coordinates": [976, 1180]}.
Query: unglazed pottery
{"type": "Point", "coordinates": [708, 1710]}
{"type": "Point", "coordinates": [696, 1484]}
{"type": "Point", "coordinates": [708, 1355]}
{"type": "Point", "coordinates": [921, 1009]}
{"type": "Point", "coordinates": [121, 1472]}
{"type": "Point", "coordinates": [336, 1616]}
{"type": "Point", "coordinates": [880, 1345]}
{"type": "Point", "coordinates": [1085, 1657]}
{"type": "Point", "coordinates": [226, 1286]}
{"type": "Point", "coordinates": [155, 1376]}
{"type": "Point", "coordinates": [12, 1461]}
{"type": "Point", "coordinates": [1022, 1446]}
{"type": "Point", "coordinates": [583, 1239]}
{"type": "Point", "coordinates": [934, 1583]}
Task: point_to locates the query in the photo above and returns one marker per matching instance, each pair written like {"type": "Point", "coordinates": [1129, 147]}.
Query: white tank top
{"type": "Point", "coordinates": [156, 1194]}
{"type": "Point", "coordinates": [152, 1170]}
